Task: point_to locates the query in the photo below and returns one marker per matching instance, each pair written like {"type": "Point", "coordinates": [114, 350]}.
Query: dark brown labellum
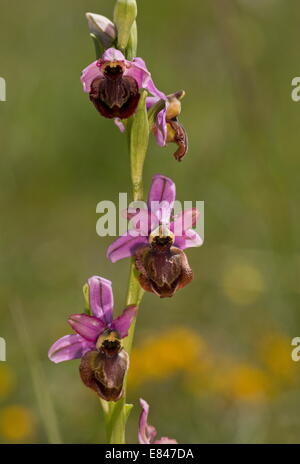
{"type": "Point", "coordinates": [115, 95]}
{"type": "Point", "coordinates": [163, 269]}
{"type": "Point", "coordinates": [104, 371]}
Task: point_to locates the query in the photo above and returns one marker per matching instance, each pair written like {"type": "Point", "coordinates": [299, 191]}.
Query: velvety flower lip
{"type": "Point", "coordinates": [104, 373]}
{"type": "Point", "coordinates": [161, 199]}
{"type": "Point", "coordinates": [89, 328]}
{"type": "Point", "coordinates": [147, 433]}
{"type": "Point", "coordinates": [114, 82]}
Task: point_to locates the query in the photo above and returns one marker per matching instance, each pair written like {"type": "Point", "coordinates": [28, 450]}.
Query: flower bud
{"type": "Point", "coordinates": [86, 296]}
{"type": "Point", "coordinates": [125, 13]}
{"type": "Point", "coordinates": [101, 29]}
{"type": "Point", "coordinates": [131, 48]}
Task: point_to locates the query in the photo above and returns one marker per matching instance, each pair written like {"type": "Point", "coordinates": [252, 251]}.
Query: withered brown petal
{"type": "Point", "coordinates": [180, 138]}
{"type": "Point", "coordinates": [115, 98]}
{"type": "Point", "coordinates": [103, 374]}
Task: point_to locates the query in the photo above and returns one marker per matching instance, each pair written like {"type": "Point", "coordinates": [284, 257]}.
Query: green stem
{"type": "Point", "coordinates": [116, 414]}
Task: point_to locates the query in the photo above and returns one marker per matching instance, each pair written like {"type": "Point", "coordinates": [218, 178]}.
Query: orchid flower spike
{"type": "Point", "coordinates": [156, 243]}
{"type": "Point", "coordinates": [147, 433]}
{"type": "Point", "coordinates": [97, 341]}
{"type": "Point", "coordinates": [113, 84]}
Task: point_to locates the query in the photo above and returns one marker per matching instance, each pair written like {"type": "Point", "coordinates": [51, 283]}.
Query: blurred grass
{"type": "Point", "coordinates": [235, 59]}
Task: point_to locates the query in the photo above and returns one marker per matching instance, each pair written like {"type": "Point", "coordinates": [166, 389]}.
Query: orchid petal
{"type": "Point", "coordinates": [122, 323]}
{"type": "Point", "coordinates": [138, 70]}
{"type": "Point", "coordinates": [189, 239]}
{"type": "Point", "coordinates": [161, 197]}
{"type": "Point", "coordinates": [118, 122]}
{"type": "Point", "coordinates": [69, 347]}
{"type": "Point", "coordinates": [162, 189]}
{"type": "Point", "coordinates": [150, 101]}
{"type": "Point", "coordinates": [184, 221]}
{"type": "Point", "coordinates": [147, 433]}
{"type": "Point", "coordinates": [89, 327]}
{"type": "Point", "coordinates": [154, 90]}
{"type": "Point", "coordinates": [165, 441]}
{"type": "Point", "coordinates": [125, 246]}
{"type": "Point", "coordinates": [161, 127]}
{"type": "Point", "coordinates": [145, 222]}
{"type": "Point", "coordinates": [142, 220]}
{"type": "Point", "coordinates": [101, 298]}
{"type": "Point", "coordinates": [112, 54]}
{"type": "Point", "coordinates": [88, 75]}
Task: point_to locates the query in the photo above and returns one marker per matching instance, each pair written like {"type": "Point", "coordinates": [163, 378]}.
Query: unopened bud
{"type": "Point", "coordinates": [86, 296]}
{"type": "Point", "coordinates": [125, 13]}
{"type": "Point", "coordinates": [101, 29]}
{"type": "Point", "coordinates": [131, 48]}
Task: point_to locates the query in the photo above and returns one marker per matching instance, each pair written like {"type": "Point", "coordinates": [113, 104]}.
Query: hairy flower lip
{"type": "Point", "coordinates": [163, 269]}
{"type": "Point", "coordinates": [115, 95]}
{"type": "Point", "coordinates": [105, 374]}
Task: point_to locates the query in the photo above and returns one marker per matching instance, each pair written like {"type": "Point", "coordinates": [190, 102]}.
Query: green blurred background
{"type": "Point", "coordinates": [214, 361]}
